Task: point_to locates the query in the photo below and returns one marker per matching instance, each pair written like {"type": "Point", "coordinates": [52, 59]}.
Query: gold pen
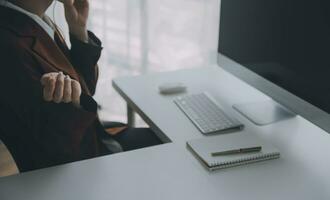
{"type": "Point", "coordinates": [237, 151]}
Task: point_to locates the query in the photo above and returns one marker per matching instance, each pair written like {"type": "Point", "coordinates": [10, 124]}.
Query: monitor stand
{"type": "Point", "coordinates": [264, 112]}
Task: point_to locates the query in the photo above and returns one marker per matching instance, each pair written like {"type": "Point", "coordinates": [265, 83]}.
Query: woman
{"type": "Point", "coordinates": [48, 115]}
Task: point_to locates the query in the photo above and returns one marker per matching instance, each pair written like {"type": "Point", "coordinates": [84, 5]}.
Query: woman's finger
{"type": "Point", "coordinates": [67, 2]}
{"type": "Point", "coordinates": [45, 77]}
{"type": "Point", "coordinates": [76, 92]}
{"type": "Point", "coordinates": [67, 94]}
{"type": "Point", "coordinates": [49, 88]}
{"type": "Point", "coordinates": [59, 88]}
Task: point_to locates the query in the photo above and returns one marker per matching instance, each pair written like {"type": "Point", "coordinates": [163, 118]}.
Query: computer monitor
{"type": "Point", "coordinates": [282, 48]}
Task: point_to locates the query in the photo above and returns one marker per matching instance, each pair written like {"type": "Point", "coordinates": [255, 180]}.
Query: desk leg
{"type": "Point", "coordinates": [130, 116]}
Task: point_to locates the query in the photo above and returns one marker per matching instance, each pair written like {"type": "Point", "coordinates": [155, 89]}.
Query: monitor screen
{"type": "Point", "coordinates": [286, 42]}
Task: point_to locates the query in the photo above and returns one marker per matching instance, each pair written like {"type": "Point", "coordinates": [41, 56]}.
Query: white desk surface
{"type": "Point", "coordinates": [169, 171]}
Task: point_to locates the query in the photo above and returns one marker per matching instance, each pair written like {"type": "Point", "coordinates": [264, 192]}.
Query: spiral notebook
{"type": "Point", "coordinates": [202, 149]}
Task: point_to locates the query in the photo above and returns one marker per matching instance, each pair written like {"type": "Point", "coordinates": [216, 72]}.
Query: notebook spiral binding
{"type": "Point", "coordinates": [221, 165]}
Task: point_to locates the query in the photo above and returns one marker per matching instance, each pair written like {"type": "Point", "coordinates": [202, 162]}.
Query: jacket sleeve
{"type": "Point", "coordinates": [84, 57]}
{"type": "Point", "coordinates": [56, 129]}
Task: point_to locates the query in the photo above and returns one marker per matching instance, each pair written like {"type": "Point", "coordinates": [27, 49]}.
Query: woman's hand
{"type": "Point", "coordinates": [76, 14]}
{"type": "Point", "coordinates": [60, 88]}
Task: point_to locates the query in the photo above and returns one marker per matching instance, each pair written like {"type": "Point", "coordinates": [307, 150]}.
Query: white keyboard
{"type": "Point", "coordinates": [205, 113]}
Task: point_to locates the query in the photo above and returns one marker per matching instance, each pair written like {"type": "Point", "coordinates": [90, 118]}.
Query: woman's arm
{"type": "Point", "coordinates": [84, 57]}
{"type": "Point", "coordinates": [86, 47]}
{"type": "Point", "coordinates": [56, 128]}
{"type": "Point", "coordinates": [76, 14]}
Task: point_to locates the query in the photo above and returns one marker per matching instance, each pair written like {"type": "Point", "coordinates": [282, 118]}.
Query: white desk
{"type": "Point", "coordinates": [170, 172]}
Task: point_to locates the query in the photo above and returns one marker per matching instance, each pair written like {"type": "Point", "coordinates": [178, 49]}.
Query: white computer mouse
{"type": "Point", "coordinates": [172, 88]}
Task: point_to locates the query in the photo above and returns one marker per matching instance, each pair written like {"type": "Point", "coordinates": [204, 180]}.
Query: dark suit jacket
{"type": "Point", "coordinates": [38, 133]}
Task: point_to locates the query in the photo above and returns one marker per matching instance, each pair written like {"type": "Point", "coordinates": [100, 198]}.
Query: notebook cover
{"type": "Point", "coordinates": [202, 148]}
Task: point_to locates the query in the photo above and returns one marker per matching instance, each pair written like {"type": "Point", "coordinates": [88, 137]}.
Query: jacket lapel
{"type": "Point", "coordinates": [46, 48]}
{"type": "Point", "coordinates": [43, 46]}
